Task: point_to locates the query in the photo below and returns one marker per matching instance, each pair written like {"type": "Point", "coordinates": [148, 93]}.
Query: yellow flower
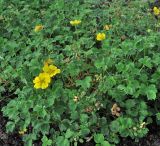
{"type": "Point", "coordinates": [156, 11]}
{"type": "Point", "coordinates": [22, 132]}
{"type": "Point", "coordinates": [100, 36]}
{"type": "Point", "coordinates": [75, 22]}
{"type": "Point", "coordinates": [38, 28]}
{"type": "Point", "coordinates": [51, 70]}
{"type": "Point", "coordinates": [48, 62]}
{"type": "Point", "coordinates": [42, 81]}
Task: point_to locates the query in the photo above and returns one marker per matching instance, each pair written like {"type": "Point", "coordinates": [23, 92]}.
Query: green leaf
{"type": "Point", "coordinates": [130, 103]}
{"type": "Point", "coordinates": [66, 142]}
{"type": "Point", "coordinates": [40, 111]}
{"type": "Point", "coordinates": [69, 133]}
{"type": "Point", "coordinates": [115, 126]}
{"type": "Point", "coordinates": [62, 141]}
{"type": "Point", "coordinates": [100, 63]}
{"type": "Point", "coordinates": [158, 116]}
{"type": "Point", "coordinates": [105, 143]}
{"type": "Point", "coordinates": [46, 141]}
{"type": "Point", "coordinates": [84, 118]}
{"type": "Point", "coordinates": [85, 83]}
{"type": "Point", "coordinates": [146, 61]}
{"type": "Point", "coordinates": [98, 138]}
{"type": "Point", "coordinates": [74, 115]}
{"type": "Point", "coordinates": [128, 122]}
{"type": "Point", "coordinates": [84, 131]}
{"type": "Point", "coordinates": [59, 140]}
{"type": "Point", "coordinates": [10, 126]}
{"type": "Point", "coordinates": [151, 92]}
{"type": "Point", "coordinates": [72, 106]}
{"type": "Point", "coordinates": [28, 138]}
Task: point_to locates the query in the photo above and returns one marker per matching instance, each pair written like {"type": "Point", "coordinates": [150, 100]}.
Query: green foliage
{"type": "Point", "coordinates": [46, 141]}
{"type": "Point", "coordinates": [78, 104]}
{"type": "Point", "coordinates": [99, 139]}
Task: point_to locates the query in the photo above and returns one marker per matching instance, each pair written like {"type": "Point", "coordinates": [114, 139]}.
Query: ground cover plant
{"type": "Point", "coordinates": [75, 71]}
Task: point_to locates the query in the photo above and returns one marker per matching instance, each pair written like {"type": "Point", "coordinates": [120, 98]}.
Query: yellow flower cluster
{"type": "Point", "coordinates": [51, 70]}
{"type": "Point", "coordinates": [156, 11]}
{"type": "Point", "coordinates": [22, 132]}
{"type": "Point", "coordinates": [100, 36]}
{"type": "Point", "coordinates": [43, 79]}
{"type": "Point", "coordinates": [75, 22]}
{"type": "Point", "coordinates": [38, 28]}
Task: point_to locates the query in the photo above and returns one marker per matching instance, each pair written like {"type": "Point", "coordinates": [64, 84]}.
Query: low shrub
{"type": "Point", "coordinates": [79, 70]}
